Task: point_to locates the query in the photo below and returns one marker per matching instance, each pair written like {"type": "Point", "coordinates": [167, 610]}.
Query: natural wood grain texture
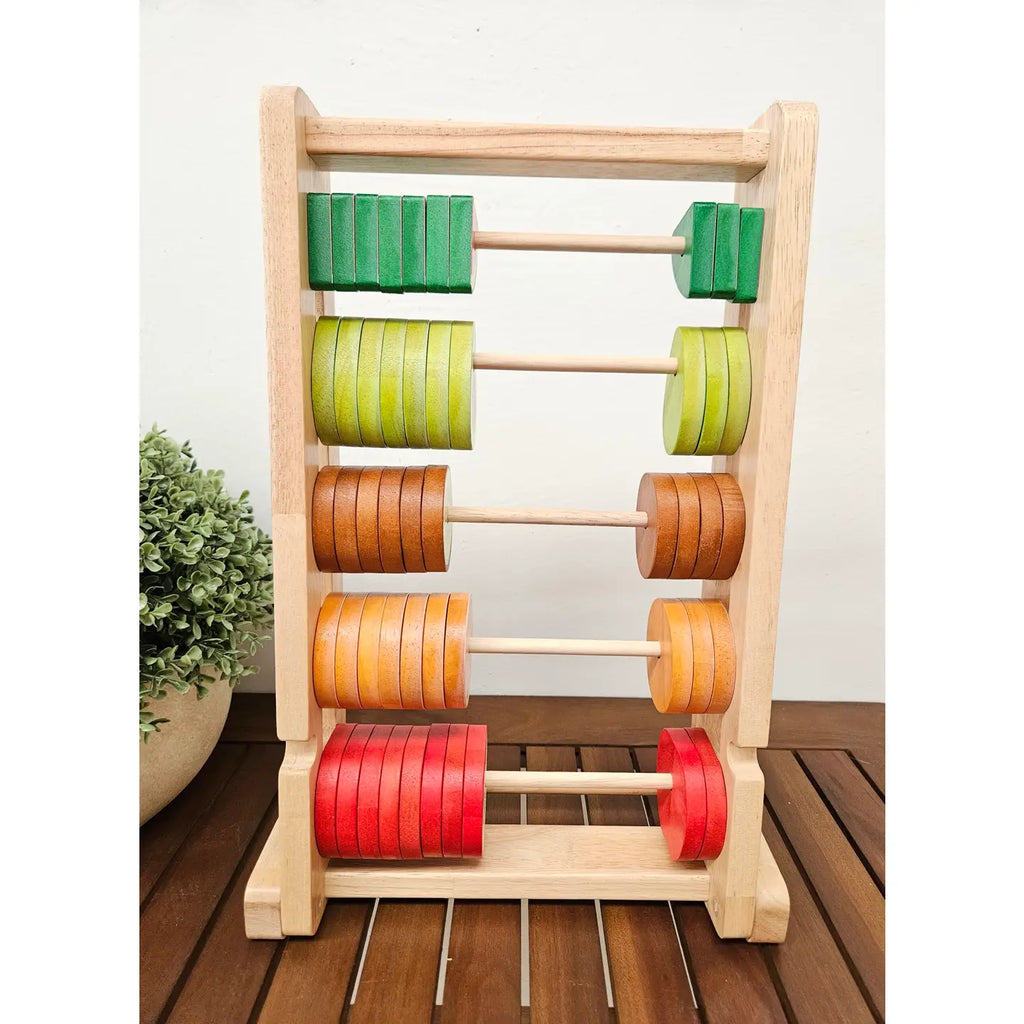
{"type": "Point", "coordinates": [844, 887]}
{"type": "Point", "coordinates": [853, 801]}
{"type": "Point", "coordinates": [189, 891]}
{"type": "Point", "coordinates": [871, 760]}
{"type": "Point", "coordinates": [538, 150]}
{"type": "Point", "coordinates": [771, 910]}
{"type": "Point", "coordinates": [826, 725]}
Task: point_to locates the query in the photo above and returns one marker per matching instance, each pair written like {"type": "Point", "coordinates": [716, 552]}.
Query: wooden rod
{"type": "Point", "coordinates": [590, 783]}
{"type": "Point", "coordinates": [543, 516]}
{"type": "Point", "coordinates": [546, 645]}
{"type": "Point", "coordinates": [575, 364]}
{"type": "Point", "coordinates": [537, 241]}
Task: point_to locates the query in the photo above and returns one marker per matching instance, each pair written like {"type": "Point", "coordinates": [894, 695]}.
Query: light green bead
{"type": "Point", "coordinates": [439, 339]}
{"type": "Point", "coordinates": [460, 385]}
{"type": "Point", "coordinates": [683, 409]}
{"type": "Point", "coordinates": [414, 385]}
{"type": "Point", "coordinates": [325, 339]}
{"type": "Point", "coordinates": [392, 364]}
{"type": "Point", "coordinates": [738, 350]}
{"type": "Point", "coordinates": [346, 375]}
{"type": "Point", "coordinates": [371, 344]}
{"type": "Point", "coordinates": [716, 392]}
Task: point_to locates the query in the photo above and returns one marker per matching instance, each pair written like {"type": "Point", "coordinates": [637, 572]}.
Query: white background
{"type": "Point", "coordinates": [580, 440]}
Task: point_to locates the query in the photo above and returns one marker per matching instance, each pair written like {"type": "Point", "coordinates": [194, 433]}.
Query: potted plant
{"type": "Point", "coordinates": [205, 602]}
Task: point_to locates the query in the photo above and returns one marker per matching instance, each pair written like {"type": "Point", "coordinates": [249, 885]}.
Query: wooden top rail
{"type": "Point", "coordinates": [538, 150]}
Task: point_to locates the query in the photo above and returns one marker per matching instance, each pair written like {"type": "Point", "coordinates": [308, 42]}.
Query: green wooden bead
{"type": "Point", "coordinates": [367, 264]}
{"type": "Point", "coordinates": [392, 367]}
{"type": "Point", "coordinates": [343, 241]}
{"type": "Point", "coordinates": [460, 385]}
{"type": "Point", "coordinates": [389, 242]}
{"type": "Point", "coordinates": [437, 243]}
{"type": "Point", "coordinates": [683, 410]}
{"type": "Point", "coordinates": [414, 385]}
{"type": "Point", "coordinates": [727, 251]}
{"type": "Point", "coordinates": [414, 245]}
{"type": "Point", "coordinates": [716, 391]}
{"type": "Point", "coordinates": [346, 377]}
{"type": "Point", "coordinates": [751, 234]}
{"type": "Point", "coordinates": [371, 340]}
{"type": "Point", "coordinates": [325, 340]}
{"type": "Point", "coordinates": [460, 246]}
{"type": "Point", "coordinates": [318, 237]}
{"type": "Point", "coordinates": [439, 338]}
{"type": "Point", "coordinates": [694, 269]}
{"type": "Point", "coordinates": [738, 350]}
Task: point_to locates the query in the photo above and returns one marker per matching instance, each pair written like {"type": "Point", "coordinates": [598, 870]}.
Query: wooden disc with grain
{"type": "Point", "coordinates": [346, 376]}
{"type": "Point", "coordinates": [434, 622]}
{"type": "Point", "coordinates": [683, 409]}
{"type": "Point", "coordinates": [456, 655]}
{"type": "Point", "coordinates": [439, 338]}
{"type": "Point", "coordinates": [671, 675]}
{"type": "Point", "coordinates": [709, 546]}
{"type": "Point", "coordinates": [436, 531]}
{"type": "Point", "coordinates": [325, 639]}
{"type": "Point", "coordinates": [474, 792]}
{"type": "Point", "coordinates": [325, 339]}
{"type": "Point", "coordinates": [725, 657]}
{"type": "Point", "coordinates": [322, 520]}
{"type": "Point", "coordinates": [326, 793]}
{"type": "Point", "coordinates": [688, 533]}
{"type": "Point", "coordinates": [431, 786]}
{"type": "Point", "coordinates": [390, 793]}
{"type": "Point", "coordinates": [656, 542]}
{"type": "Point", "coordinates": [411, 665]}
{"type": "Point", "coordinates": [703, 657]}
{"type": "Point", "coordinates": [389, 651]}
{"type": "Point", "coordinates": [716, 392]}
{"type": "Point", "coordinates": [738, 352]}
{"type": "Point", "coordinates": [346, 654]}
{"type": "Point", "coordinates": [368, 795]}
{"type": "Point", "coordinates": [346, 548]}
{"type": "Point", "coordinates": [460, 385]}
{"type": "Point", "coordinates": [734, 526]}
{"type": "Point", "coordinates": [345, 821]}
{"type": "Point", "coordinates": [682, 810]}
{"type": "Point", "coordinates": [368, 679]}
{"type": "Point", "coordinates": [392, 381]}
{"type": "Point", "coordinates": [367, 537]}
{"type": "Point", "coordinates": [414, 386]}
{"type": "Point", "coordinates": [409, 841]}
{"type": "Point", "coordinates": [371, 342]}
{"type": "Point", "coordinates": [451, 791]}
{"type": "Point", "coordinates": [411, 512]}
{"type": "Point", "coordinates": [389, 519]}
{"type": "Point", "coordinates": [714, 794]}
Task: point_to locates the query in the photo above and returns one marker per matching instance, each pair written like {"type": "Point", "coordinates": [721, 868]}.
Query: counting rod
{"type": "Point", "coordinates": [546, 645]}
{"type": "Point", "coordinates": [543, 516]}
{"type": "Point", "coordinates": [587, 783]}
{"type": "Point", "coordinates": [553, 242]}
{"type": "Point", "coordinates": [667, 365]}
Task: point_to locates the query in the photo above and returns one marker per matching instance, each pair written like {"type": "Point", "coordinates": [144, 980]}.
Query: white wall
{"type": "Point", "coordinates": [553, 439]}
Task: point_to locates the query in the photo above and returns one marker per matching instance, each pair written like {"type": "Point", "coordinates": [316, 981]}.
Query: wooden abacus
{"type": "Point", "coordinates": [398, 811]}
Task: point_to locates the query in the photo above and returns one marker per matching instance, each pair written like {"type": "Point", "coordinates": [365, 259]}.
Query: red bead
{"type": "Point", "coordinates": [430, 790]}
{"type": "Point", "coordinates": [409, 840]}
{"type": "Point", "coordinates": [367, 803]}
{"type": "Point", "coordinates": [473, 792]}
{"type": "Point", "coordinates": [348, 789]}
{"type": "Point", "coordinates": [714, 787]}
{"type": "Point", "coordinates": [326, 793]}
{"type": "Point", "coordinates": [390, 786]}
{"type": "Point", "coordinates": [451, 797]}
{"type": "Point", "coordinates": [683, 808]}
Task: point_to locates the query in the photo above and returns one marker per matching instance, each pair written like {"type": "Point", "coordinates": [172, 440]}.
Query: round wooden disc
{"type": "Point", "coordinates": [738, 353]}
{"type": "Point", "coordinates": [345, 824]}
{"type": "Point", "coordinates": [371, 431]}
{"type": "Point", "coordinates": [716, 394]}
{"type": "Point", "coordinates": [683, 408]}
{"type": "Point", "coordinates": [367, 539]}
{"type": "Point", "coordinates": [460, 384]}
{"type": "Point", "coordinates": [451, 795]}
{"type": "Point", "coordinates": [368, 679]}
{"type": "Point", "coordinates": [430, 790]}
{"type": "Point", "coordinates": [725, 657]}
{"type": "Point", "coordinates": [346, 367]}
{"type": "Point", "coordinates": [325, 639]}
{"type": "Point", "coordinates": [433, 650]}
{"type": "Point", "coordinates": [703, 657]}
{"type": "Point", "coordinates": [439, 339]}
{"type": "Point", "coordinates": [709, 546]}
{"type": "Point", "coordinates": [414, 387]}
{"type": "Point", "coordinates": [734, 526]}
{"type": "Point", "coordinates": [326, 793]}
{"type": "Point", "coordinates": [325, 340]}
{"type": "Point", "coordinates": [368, 797]}
{"type": "Point", "coordinates": [390, 791]}
{"type": "Point", "coordinates": [322, 520]}
{"type": "Point", "coordinates": [656, 542]}
{"type": "Point", "coordinates": [688, 534]}
{"type": "Point", "coordinates": [409, 842]}
{"type": "Point", "coordinates": [346, 654]}
{"type": "Point", "coordinates": [436, 531]}
{"type": "Point", "coordinates": [392, 365]}
{"type": "Point", "coordinates": [473, 792]}
{"type": "Point", "coordinates": [346, 547]}
{"type": "Point", "coordinates": [389, 519]}
{"type": "Point", "coordinates": [456, 655]}
{"type": "Point", "coordinates": [714, 794]}
{"type": "Point", "coordinates": [411, 665]}
{"type": "Point", "coordinates": [389, 651]}
{"type": "Point", "coordinates": [671, 675]}
{"type": "Point", "coordinates": [412, 520]}
{"type": "Point", "coordinates": [682, 810]}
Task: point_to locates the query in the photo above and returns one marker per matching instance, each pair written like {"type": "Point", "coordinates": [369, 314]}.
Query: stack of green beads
{"type": "Point", "coordinates": [723, 252]}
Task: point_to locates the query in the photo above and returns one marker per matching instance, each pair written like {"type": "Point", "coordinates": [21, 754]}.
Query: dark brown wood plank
{"type": "Point", "coordinates": [228, 975]}
{"type": "Point", "coordinates": [731, 977]}
{"type": "Point", "coordinates": [566, 969]}
{"type": "Point", "coordinates": [314, 975]}
{"type": "Point", "coordinates": [809, 966]}
{"type": "Point", "coordinates": [482, 985]}
{"type": "Point", "coordinates": [188, 892]}
{"type": "Point", "coordinates": [161, 837]}
{"type": "Point", "coordinates": [826, 725]}
{"type": "Point", "coordinates": [649, 979]}
{"type": "Point", "coordinates": [252, 718]}
{"type": "Point", "coordinates": [843, 886]}
{"type": "Point", "coordinates": [871, 758]}
{"type": "Point", "coordinates": [854, 801]}
{"type": "Point", "coordinates": [399, 979]}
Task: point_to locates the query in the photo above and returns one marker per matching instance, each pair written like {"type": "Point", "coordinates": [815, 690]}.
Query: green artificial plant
{"type": "Point", "coordinates": [205, 577]}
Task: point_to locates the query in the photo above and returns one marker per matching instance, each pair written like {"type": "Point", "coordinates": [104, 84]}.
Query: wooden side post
{"type": "Point", "coordinates": [761, 467]}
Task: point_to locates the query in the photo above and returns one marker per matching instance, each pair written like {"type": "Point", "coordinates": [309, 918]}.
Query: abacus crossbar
{"type": "Point", "coordinates": [554, 242]}
{"type": "Point", "coordinates": [586, 783]}
{"type": "Point", "coordinates": [543, 516]}
{"type": "Point", "coordinates": [666, 365]}
{"type": "Point", "coordinates": [545, 645]}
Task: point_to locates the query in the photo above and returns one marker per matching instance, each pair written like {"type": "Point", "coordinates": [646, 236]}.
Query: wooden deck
{"type": "Point", "coordinates": [408, 961]}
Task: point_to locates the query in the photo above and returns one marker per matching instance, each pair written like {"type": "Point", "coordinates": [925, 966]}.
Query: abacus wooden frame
{"type": "Point", "coordinates": [772, 163]}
